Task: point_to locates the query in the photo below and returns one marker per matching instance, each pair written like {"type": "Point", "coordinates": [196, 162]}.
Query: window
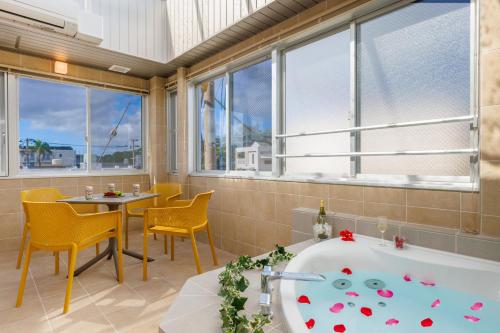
{"type": "Point", "coordinates": [211, 97]}
{"type": "Point", "coordinates": [61, 125]}
{"type": "Point", "coordinates": [317, 99]}
{"type": "Point", "coordinates": [414, 64]}
{"type": "Point", "coordinates": [52, 118]}
{"type": "Point", "coordinates": [116, 123]}
{"type": "Point", "coordinates": [386, 99]}
{"type": "Point", "coordinates": [250, 114]}
{"type": "Point", "coordinates": [172, 130]}
{"type": "Point", "coordinates": [3, 124]}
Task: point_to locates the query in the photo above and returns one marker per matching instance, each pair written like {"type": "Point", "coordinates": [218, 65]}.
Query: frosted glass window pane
{"type": "Point", "coordinates": [414, 64]}
{"type": "Point", "coordinates": [3, 126]}
{"type": "Point", "coordinates": [251, 118]}
{"type": "Point", "coordinates": [317, 98]}
{"type": "Point", "coordinates": [212, 124]}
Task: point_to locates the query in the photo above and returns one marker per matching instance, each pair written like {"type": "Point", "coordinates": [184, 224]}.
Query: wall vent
{"type": "Point", "coordinates": [119, 69]}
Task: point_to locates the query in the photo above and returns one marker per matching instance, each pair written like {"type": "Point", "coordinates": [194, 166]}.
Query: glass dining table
{"type": "Point", "coordinates": [114, 204]}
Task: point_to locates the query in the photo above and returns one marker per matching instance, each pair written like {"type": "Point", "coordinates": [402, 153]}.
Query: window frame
{"type": "Point", "coordinates": [13, 132]}
{"type": "Point", "coordinates": [277, 52]}
{"type": "Point", "coordinates": [172, 166]}
{"type": "Point", "coordinates": [4, 134]}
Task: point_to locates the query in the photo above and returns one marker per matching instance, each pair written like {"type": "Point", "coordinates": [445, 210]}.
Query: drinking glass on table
{"type": "Point", "coordinates": [382, 227]}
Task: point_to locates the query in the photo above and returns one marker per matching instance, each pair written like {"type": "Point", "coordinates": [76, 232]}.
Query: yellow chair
{"type": "Point", "coordinates": [168, 192]}
{"type": "Point", "coordinates": [56, 226]}
{"type": "Point", "coordinates": [184, 220]}
{"type": "Point", "coordinates": [48, 195]}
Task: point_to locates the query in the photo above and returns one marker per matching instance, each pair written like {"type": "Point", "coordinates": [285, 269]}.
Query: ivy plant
{"type": "Point", "coordinates": [232, 285]}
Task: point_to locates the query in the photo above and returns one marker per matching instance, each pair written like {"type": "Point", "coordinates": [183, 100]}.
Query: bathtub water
{"type": "Point", "coordinates": [356, 302]}
{"type": "Point", "coordinates": [452, 285]}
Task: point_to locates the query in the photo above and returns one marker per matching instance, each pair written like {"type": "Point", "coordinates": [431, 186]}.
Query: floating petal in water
{"type": "Point", "coordinates": [407, 278]}
{"type": "Point", "coordinates": [427, 322]}
{"type": "Point", "coordinates": [352, 293]}
{"type": "Point", "coordinates": [310, 323]}
{"type": "Point", "coordinates": [337, 307]}
{"type": "Point", "coordinates": [347, 271]}
{"type": "Point", "coordinates": [340, 328]}
{"type": "Point", "coordinates": [303, 299]}
{"type": "Point", "coordinates": [366, 311]}
{"type": "Point", "coordinates": [385, 293]}
{"type": "Point", "coordinates": [392, 322]}
{"type": "Point", "coordinates": [436, 303]}
{"type": "Point", "coordinates": [428, 283]}
{"type": "Point", "coordinates": [472, 319]}
{"type": "Point", "coordinates": [476, 306]}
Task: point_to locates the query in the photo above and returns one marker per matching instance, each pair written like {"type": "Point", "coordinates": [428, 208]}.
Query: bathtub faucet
{"type": "Point", "coordinates": [266, 278]}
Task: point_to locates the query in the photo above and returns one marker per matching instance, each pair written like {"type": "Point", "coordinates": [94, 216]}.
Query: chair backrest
{"type": "Point", "coordinates": [51, 223]}
{"type": "Point", "coordinates": [199, 207]}
{"type": "Point", "coordinates": [50, 194]}
{"type": "Point", "coordinates": [41, 195]}
{"type": "Point", "coordinates": [165, 190]}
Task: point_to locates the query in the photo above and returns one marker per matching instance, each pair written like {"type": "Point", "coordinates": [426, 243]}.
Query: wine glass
{"type": "Point", "coordinates": [382, 227]}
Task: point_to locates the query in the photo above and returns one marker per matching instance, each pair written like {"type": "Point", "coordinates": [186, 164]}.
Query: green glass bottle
{"type": "Point", "coordinates": [322, 222]}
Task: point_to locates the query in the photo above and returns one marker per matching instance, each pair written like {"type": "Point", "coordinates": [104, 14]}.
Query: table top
{"type": "Point", "coordinates": [101, 199]}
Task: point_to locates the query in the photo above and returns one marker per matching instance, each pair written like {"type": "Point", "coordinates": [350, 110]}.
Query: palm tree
{"type": "Point", "coordinates": [40, 147]}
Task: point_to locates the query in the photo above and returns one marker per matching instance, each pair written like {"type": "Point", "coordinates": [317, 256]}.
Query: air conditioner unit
{"type": "Point", "coordinates": [49, 15]}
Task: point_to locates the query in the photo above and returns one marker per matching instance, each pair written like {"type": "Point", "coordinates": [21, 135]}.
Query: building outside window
{"type": "Point", "coordinates": [54, 119]}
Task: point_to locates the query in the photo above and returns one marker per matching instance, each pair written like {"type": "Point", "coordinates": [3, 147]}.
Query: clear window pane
{"type": "Point", "coordinates": [52, 125]}
{"type": "Point", "coordinates": [211, 105]}
{"type": "Point", "coordinates": [316, 99]}
{"type": "Point", "coordinates": [172, 131]}
{"type": "Point", "coordinates": [414, 64]}
{"type": "Point", "coordinates": [116, 130]}
{"type": "Point", "coordinates": [251, 118]}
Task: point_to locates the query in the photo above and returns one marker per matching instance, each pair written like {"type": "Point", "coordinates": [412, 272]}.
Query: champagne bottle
{"type": "Point", "coordinates": [321, 220]}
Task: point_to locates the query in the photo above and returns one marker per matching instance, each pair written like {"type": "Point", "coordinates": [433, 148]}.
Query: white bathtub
{"type": "Point", "coordinates": [458, 272]}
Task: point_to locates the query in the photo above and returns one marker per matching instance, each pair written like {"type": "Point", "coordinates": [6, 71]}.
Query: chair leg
{"type": "Point", "coordinates": [195, 253]}
{"type": "Point", "coordinates": [165, 244]}
{"type": "Point", "coordinates": [21, 249]}
{"type": "Point", "coordinates": [212, 248]}
{"type": "Point", "coordinates": [97, 249]}
{"type": "Point", "coordinates": [172, 248]}
{"type": "Point", "coordinates": [126, 233]}
{"type": "Point", "coordinates": [145, 255]}
{"type": "Point", "coordinates": [56, 263]}
{"type": "Point", "coordinates": [22, 283]}
{"type": "Point", "coordinates": [119, 245]}
{"type": "Point", "coordinates": [71, 272]}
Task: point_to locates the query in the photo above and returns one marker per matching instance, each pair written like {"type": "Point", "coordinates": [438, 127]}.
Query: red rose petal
{"type": "Point", "coordinates": [340, 328]}
{"type": "Point", "coordinates": [385, 293]}
{"type": "Point", "coordinates": [310, 323]}
{"type": "Point", "coordinates": [476, 306]}
{"type": "Point", "coordinates": [337, 307]}
{"type": "Point", "coordinates": [347, 271]}
{"type": "Point", "coordinates": [352, 293]}
{"type": "Point", "coordinates": [392, 322]}
{"type": "Point", "coordinates": [407, 278]}
{"type": "Point", "coordinates": [436, 303]}
{"type": "Point", "coordinates": [427, 322]}
{"type": "Point", "coordinates": [472, 319]}
{"type": "Point", "coordinates": [428, 283]}
{"type": "Point", "coordinates": [366, 311]}
{"type": "Point", "coordinates": [304, 299]}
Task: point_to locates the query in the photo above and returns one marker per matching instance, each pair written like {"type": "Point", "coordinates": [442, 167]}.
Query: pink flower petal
{"type": "Point", "coordinates": [436, 303]}
{"type": "Point", "coordinates": [337, 307]}
{"type": "Point", "coordinates": [392, 322]}
{"type": "Point", "coordinates": [476, 306]}
{"type": "Point", "coordinates": [352, 293]}
{"type": "Point", "coordinates": [428, 283]}
{"type": "Point", "coordinates": [407, 278]}
{"type": "Point", "coordinates": [472, 319]}
{"type": "Point", "coordinates": [385, 293]}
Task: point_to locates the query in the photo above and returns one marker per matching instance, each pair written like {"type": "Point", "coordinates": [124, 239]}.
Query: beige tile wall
{"type": "Point", "coordinates": [250, 216]}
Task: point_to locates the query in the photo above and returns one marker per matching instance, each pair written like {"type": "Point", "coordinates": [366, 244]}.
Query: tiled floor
{"type": "Point", "coordinates": [99, 303]}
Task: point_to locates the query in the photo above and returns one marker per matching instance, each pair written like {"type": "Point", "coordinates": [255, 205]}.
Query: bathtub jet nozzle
{"type": "Point", "coordinates": [266, 278]}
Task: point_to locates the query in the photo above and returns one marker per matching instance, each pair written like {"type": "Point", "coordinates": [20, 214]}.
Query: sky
{"type": "Point", "coordinates": [55, 113]}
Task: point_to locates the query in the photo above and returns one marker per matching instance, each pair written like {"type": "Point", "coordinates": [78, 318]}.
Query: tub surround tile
{"type": "Point", "coordinates": [491, 225]}
{"type": "Point", "coordinates": [470, 223]}
{"type": "Point", "coordinates": [395, 196]}
{"type": "Point", "coordinates": [434, 199]}
{"type": "Point", "coordinates": [435, 217]}
{"type": "Point", "coordinates": [346, 192]}
{"type": "Point", "coordinates": [478, 247]}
